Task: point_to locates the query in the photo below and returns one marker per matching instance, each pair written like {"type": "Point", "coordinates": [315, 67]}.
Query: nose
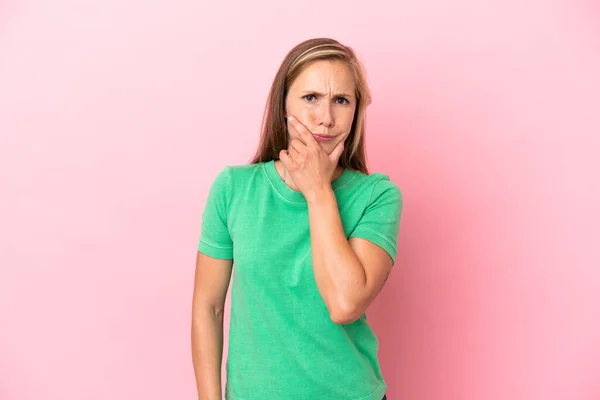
{"type": "Point", "coordinates": [324, 115]}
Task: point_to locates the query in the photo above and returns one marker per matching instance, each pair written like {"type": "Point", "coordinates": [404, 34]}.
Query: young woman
{"type": "Point", "coordinates": [313, 238]}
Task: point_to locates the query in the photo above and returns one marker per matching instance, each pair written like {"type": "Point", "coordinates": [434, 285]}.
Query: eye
{"type": "Point", "coordinates": [342, 100]}
{"type": "Point", "coordinates": [309, 97]}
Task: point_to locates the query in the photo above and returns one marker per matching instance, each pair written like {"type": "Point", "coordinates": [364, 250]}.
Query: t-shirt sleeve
{"type": "Point", "coordinates": [380, 222]}
{"type": "Point", "coordinates": [215, 240]}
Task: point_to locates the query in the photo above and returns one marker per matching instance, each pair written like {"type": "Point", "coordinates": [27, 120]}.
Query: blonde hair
{"type": "Point", "coordinates": [274, 137]}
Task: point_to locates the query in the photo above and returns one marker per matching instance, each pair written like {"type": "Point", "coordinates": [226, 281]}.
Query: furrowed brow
{"type": "Point", "coordinates": [324, 94]}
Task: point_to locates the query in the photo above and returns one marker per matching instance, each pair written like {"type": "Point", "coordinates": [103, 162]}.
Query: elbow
{"type": "Point", "coordinates": [345, 315]}
{"type": "Point", "coordinates": [203, 310]}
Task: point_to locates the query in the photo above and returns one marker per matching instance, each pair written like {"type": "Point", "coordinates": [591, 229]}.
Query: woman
{"type": "Point", "coordinates": [313, 236]}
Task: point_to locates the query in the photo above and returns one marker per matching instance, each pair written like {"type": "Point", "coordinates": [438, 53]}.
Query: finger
{"type": "Point", "coordinates": [296, 144]}
{"type": "Point", "coordinates": [303, 132]}
{"type": "Point", "coordinates": [337, 152]}
{"type": "Point", "coordinates": [294, 153]}
{"type": "Point", "coordinates": [286, 159]}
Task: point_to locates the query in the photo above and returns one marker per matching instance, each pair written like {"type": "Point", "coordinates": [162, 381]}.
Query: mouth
{"type": "Point", "coordinates": [323, 138]}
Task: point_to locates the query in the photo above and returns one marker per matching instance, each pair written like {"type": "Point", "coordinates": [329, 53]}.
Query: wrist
{"type": "Point", "coordinates": [319, 195]}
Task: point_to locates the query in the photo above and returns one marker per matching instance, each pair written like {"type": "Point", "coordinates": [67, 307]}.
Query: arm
{"type": "Point", "coordinates": [210, 289]}
{"type": "Point", "coordinates": [349, 273]}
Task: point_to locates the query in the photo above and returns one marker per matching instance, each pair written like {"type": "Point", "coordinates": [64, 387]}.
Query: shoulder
{"type": "Point", "coordinates": [234, 175]}
{"type": "Point", "coordinates": [242, 172]}
{"type": "Point", "coordinates": [241, 169]}
{"type": "Point", "coordinates": [235, 170]}
{"type": "Point", "coordinates": [376, 185]}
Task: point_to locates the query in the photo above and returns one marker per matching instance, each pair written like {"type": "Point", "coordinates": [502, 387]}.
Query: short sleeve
{"type": "Point", "coordinates": [215, 240]}
{"type": "Point", "coordinates": [380, 223]}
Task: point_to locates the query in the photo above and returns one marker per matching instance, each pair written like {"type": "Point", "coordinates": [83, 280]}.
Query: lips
{"type": "Point", "coordinates": [323, 138]}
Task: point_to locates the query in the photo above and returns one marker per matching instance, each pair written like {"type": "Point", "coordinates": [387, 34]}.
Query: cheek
{"type": "Point", "coordinates": [306, 115]}
{"type": "Point", "coordinates": [346, 119]}
{"type": "Point", "coordinates": [344, 138]}
{"type": "Point", "coordinates": [306, 118]}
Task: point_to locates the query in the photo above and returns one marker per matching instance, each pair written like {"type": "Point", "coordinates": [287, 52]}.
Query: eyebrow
{"type": "Point", "coordinates": [323, 94]}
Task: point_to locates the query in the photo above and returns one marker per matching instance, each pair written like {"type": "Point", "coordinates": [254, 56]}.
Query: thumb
{"type": "Point", "coordinates": [337, 152]}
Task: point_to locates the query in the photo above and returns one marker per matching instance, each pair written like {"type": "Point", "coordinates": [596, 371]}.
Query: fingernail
{"type": "Point", "coordinates": [291, 118]}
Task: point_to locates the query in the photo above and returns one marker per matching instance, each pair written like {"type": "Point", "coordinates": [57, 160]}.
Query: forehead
{"type": "Point", "coordinates": [326, 74]}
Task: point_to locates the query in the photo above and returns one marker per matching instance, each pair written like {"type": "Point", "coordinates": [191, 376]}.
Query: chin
{"type": "Point", "coordinates": [329, 148]}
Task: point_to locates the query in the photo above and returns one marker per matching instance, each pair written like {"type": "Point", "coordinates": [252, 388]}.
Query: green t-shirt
{"type": "Point", "coordinates": [282, 342]}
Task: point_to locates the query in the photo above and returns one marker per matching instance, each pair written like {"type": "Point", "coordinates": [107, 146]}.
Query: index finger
{"type": "Point", "coordinates": [303, 131]}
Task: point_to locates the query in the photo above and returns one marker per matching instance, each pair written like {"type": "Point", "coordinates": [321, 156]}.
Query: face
{"type": "Point", "coordinates": [323, 99]}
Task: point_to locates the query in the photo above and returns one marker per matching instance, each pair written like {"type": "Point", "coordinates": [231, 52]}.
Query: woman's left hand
{"type": "Point", "coordinates": [309, 165]}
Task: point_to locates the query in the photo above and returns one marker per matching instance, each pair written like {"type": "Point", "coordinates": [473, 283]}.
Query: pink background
{"type": "Point", "coordinates": [115, 116]}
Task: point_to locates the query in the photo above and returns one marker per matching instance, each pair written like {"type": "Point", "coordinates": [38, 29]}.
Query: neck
{"type": "Point", "coordinates": [286, 177]}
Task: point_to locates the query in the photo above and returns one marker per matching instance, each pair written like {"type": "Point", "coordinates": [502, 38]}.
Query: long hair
{"type": "Point", "coordinates": [274, 137]}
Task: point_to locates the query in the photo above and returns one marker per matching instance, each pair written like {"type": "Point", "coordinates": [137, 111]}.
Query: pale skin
{"type": "Point", "coordinates": [349, 273]}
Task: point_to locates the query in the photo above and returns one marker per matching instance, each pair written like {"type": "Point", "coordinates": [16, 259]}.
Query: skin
{"type": "Point", "coordinates": [349, 273]}
{"type": "Point", "coordinates": [211, 281]}
{"type": "Point", "coordinates": [323, 98]}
